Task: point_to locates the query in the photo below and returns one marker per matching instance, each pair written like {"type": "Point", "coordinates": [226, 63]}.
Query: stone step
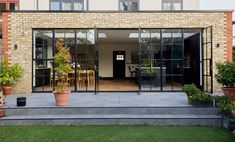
{"type": "Point", "coordinates": [111, 110]}
{"type": "Point", "coordinates": [107, 119]}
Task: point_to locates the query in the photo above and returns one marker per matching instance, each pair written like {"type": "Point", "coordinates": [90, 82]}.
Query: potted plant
{"type": "Point", "coordinates": [226, 108]}
{"type": "Point", "coordinates": [202, 99]}
{"type": "Point", "coordinates": [9, 74]}
{"type": "Point", "coordinates": [226, 77]}
{"type": "Point", "coordinates": [63, 67]}
{"type": "Point", "coordinates": [2, 112]}
{"type": "Point", "coordinates": [190, 90]}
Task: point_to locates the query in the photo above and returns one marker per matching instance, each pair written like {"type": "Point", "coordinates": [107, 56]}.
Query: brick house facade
{"type": "Point", "coordinates": [18, 26]}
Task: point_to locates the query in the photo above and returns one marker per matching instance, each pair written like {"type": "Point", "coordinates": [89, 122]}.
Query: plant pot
{"type": "Point", "coordinates": [202, 104]}
{"type": "Point", "coordinates": [1, 99]}
{"type": "Point", "coordinates": [2, 112]}
{"type": "Point", "coordinates": [233, 132]}
{"type": "Point", "coordinates": [190, 99]}
{"type": "Point", "coordinates": [21, 101]}
{"type": "Point", "coordinates": [6, 89]}
{"type": "Point", "coordinates": [61, 99]}
{"type": "Point", "coordinates": [233, 114]}
{"type": "Point", "coordinates": [229, 92]}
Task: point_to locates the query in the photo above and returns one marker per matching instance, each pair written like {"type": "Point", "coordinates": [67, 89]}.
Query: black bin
{"type": "Point", "coordinates": [21, 101]}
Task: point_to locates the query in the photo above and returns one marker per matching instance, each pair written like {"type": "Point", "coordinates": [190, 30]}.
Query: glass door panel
{"type": "Point", "coordinates": [207, 60]}
{"type": "Point", "coordinates": [161, 63]}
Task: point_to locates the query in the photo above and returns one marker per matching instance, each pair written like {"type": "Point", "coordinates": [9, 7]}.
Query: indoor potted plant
{"type": "Point", "coordinates": [63, 67]}
{"type": "Point", "coordinates": [226, 77]}
{"type": "Point", "coordinates": [9, 74]}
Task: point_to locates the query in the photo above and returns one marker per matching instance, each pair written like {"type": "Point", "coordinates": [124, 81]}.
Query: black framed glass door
{"type": "Point", "coordinates": [84, 60]}
{"type": "Point", "coordinates": [161, 59]}
{"type": "Point", "coordinates": [207, 39]}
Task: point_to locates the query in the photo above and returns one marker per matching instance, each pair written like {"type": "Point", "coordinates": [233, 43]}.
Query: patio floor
{"type": "Point", "coordinates": [160, 99]}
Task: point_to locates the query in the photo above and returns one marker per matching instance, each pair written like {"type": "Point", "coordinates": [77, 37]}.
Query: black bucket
{"type": "Point", "coordinates": [21, 101]}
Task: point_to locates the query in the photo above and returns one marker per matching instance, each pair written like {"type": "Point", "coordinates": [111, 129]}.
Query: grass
{"type": "Point", "coordinates": [114, 134]}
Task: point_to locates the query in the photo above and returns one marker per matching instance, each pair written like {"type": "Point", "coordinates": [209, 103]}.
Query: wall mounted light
{"type": "Point", "coordinates": [217, 45]}
{"type": "Point", "coordinates": [15, 46]}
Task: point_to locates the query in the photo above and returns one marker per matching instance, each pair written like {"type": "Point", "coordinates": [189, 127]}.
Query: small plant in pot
{"type": "Point", "coordinates": [9, 74]}
{"type": "Point", "coordinates": [226, 77]}
{"type": "Point", "coordinates": [63, 67]}
{"type": "Point", "coordinates": [190, 90]}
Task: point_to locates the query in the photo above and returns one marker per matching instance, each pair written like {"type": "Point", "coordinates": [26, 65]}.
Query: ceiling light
{"type": "Point", "coordinates": [102, 35]}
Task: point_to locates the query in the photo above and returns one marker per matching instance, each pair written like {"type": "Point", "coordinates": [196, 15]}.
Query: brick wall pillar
{"type": "Point", "coordinates": [228, 33]}
{"type": "Point", "coordinates": [6, 35]}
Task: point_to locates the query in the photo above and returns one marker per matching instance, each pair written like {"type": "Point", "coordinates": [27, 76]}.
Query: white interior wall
{"type": "Point", "coordinates": [106, 57]}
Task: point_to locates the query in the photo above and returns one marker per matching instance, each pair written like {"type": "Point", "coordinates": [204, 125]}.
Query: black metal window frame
{"type": "Point", "coordinates": [234, 36]}
{"type": "Point", "coordinates": [4, 6]}
{"type": "Point", "coordinates": [161, 59]}
{"type": "Point", "coordinates": [207, 60]}
{"type": "Point", "coordinates": [96, 50]}
{"type": "Point", "coordinates": [120, 1]}
{"type": "Point", "coordinates": [171, 4]}
{"type": "Point", "coordinates": [72, 6]}
{"type": "Point", "coordinates": [34, 59]}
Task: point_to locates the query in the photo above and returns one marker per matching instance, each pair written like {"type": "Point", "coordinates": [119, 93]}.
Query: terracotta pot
{"type": "Point", "coordinates": [61, 99]}
{"type": "Point", "coordinates": [7, 90]}
{"type": "Point", "coordinates": [230, 92]}
{"type": "Point", "coordinates": [1, 99]}
{"type": "Point", "coordinates": [233, 132]}
{"type": "Point", "coordinates": [233, 113]}
{"type": "Point", "coordinates": [2, 113]}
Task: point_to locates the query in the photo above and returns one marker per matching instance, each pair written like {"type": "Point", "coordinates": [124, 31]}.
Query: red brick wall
{"type": "Point", "coordinates": [228, 32]}
{"type": "Point", "coordinates": [8, 3]}
{"type": "Point", "coordinates": [5, 35]}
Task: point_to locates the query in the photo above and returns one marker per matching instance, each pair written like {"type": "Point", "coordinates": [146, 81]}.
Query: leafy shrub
{"type": "Point", "coordinates": [225, 104]}
{"type": "Point", "coordinates": [202, 97]}
{"type": "Point", "coordinates": [62, 60]}
{"type": "Point", "coordinates": [226, 74]}
{"type": "Point", "coordinates": [9, 74]}
{"type": "Point", "coordinates": [191, 89]}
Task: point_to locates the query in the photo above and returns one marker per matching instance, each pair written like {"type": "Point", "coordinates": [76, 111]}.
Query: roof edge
{"type": "Point", "coordinates": [116, 11]}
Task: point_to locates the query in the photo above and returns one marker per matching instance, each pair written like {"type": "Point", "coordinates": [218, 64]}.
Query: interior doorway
{"type": "Point", "coordinates": [118, 60]}
{"type": "Point", "coordinates": [119, 64]}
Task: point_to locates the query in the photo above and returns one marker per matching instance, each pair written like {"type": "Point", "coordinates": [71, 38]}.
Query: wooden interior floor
{"type": "Point", "coordinates": [118, 85]}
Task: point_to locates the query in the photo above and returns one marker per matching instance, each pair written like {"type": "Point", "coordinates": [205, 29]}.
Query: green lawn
{"type": "Point", "coordinates": [114, 134]}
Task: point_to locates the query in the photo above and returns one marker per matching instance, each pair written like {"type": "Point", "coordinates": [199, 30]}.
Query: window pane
{"type": "Point", "coordinates": [166, 6]}
{"type": "Point", "coordinates": [177, 36]}
{"type": "Point", "coordinates": [66, 5]}
{"type": "Point", "coordinates": [129, 5]}
{"type": "Point", "coordinates": [124, 6]}
{"type": "Point", "coordinates": [155, 37]}
{"type": "Point", "coordinates": [172, 4]}
{"type": "Point", "coordinates": [12, 6]}
{"type": "Point", "coordinates": [2, 6]}
{"type": "Point", "coordinates": [176, 6]}
{"type": "Point", "coordinates": [134, 6]}
{"type": "Point", "coordinates": [166, 36]}
{"type": "Point", "coordinates": [78, 5]}
{"type": "Point", "coordinates": [55, 5]}
{"type": "Point", "coordinates": [167, 51]}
